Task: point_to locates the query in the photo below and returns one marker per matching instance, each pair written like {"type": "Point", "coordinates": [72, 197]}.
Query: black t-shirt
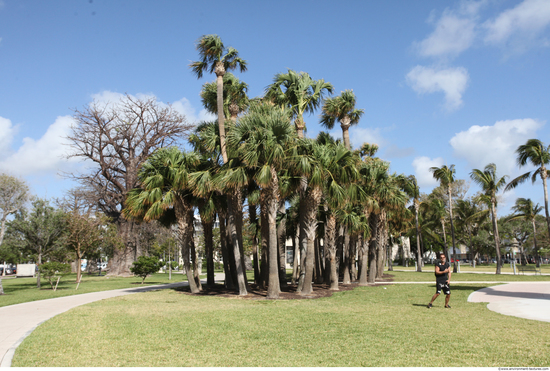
{"type": "Point", "coordinates": [442, 278]}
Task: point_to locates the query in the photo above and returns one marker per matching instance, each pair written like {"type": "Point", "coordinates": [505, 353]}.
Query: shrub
{"type": "Point", "coordinates": [51, 270]}
{"type": "Point", "coordinates": [145, 266]}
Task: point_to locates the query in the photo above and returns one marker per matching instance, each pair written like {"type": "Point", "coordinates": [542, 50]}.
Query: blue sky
{"type": "Point", "coordinates": [441, 82]}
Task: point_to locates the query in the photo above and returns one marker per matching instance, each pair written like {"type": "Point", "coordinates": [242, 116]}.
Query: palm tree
{"type": "Point", "coordinates": [263, 138]}
{"type": "Point", "coordinates": [445, 176]}
{"type": "Point", "coordinates": [526, 209]}
{"type": "Point", "coordinates": [535, 152]}
{"type": "Point", "coordinates": [164, 179]}
{"type": "Point", "coordinates": [235, 99]}
{"type": "Point", "coordinates": [341, 108]}
{"type": "Point", "coordinates": [216, 58]}
{"type": "Point", "coordinates": [299, 92]}
{"type": "Point", "coordinates": [469, 218]}
{"type": "Point", "coordinates": [410, 186]}
{"type": "Point", "coordinates": [490, 184]}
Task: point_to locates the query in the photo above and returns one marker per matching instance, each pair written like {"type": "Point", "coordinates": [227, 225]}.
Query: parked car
{"type": "Point", "coordinates": [9, 270]}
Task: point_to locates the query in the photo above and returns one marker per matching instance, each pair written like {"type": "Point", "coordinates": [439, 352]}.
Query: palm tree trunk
{"type": "Point", "coordinates": [497, 238]}
{"type": "Point", "coordinates": [352, 255]}
{"type": "Point", "coordinates": [381, 243]}
{"type": "Point", "coordinates": [254, 221]}
{"type": "Point", "coordinates": [207, 227]}
{"type": "Point", "coordinates": [364, 246]}
{"type": "Point", "coordinates": [418, 252]}
{"type": "Point", "coordinates": [228, 282]}
{"type": "Point", "coordinates": [312, 199]}
{"type": "Point", "coordinates": [345, 124]}
{"type": "Point", "coordinates": [373, 248]}
{"type": "Point", "coordinates": [221, 117]}
{"type": "Point", "coordinates": [264, 266]}
{"type": "Point", "coordinates": [330, 248]}
{"type": "Point", "coordinates": [455, 265]}
{"type": "Point", "coordinates": [535, 242]}
{"type": "Point", "coordinates": [231, 204]}
{"type": "Point", "coordinates": [445, 249]}
{"type": "Point", "coordinates": [296, 257]}
{"type": "Point", "coordinates": [346, 258]}
{"type": "Point", "coordinates": [281, 239]}
{"type": "Point", "coordinates": [272, 194]}
{"type": "Point", "coordinates": [544, 176]}
{"type": "Point", "coordinates": [182, 216]}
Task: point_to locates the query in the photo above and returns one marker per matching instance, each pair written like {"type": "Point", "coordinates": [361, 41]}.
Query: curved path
{"type": "Point", "coordinates": [530, 300]}
{"type": "Point", "coordinates": [19, 320]}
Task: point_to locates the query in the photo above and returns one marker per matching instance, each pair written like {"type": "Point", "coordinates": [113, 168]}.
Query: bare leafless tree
{"type": "Point", "coordinates": [117, 138]}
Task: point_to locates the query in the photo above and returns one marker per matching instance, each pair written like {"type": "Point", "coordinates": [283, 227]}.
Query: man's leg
{"type": "Point", "coordinates": [447, 297]}
{"type": "Point", "coordinates": [434, 297]}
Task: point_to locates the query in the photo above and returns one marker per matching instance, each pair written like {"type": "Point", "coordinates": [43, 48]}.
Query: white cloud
{"type": "Point", "coordinates": [44, 155]}
{"type": "Point", "coordinates": [455, 31]}
{"type": "Point", "coordinates": [451, 81]}
{"type": "Point", "coordinates": [481, 145]}
{"type": "Point", "coordinates": [359, 135]}
{"type": "Point", "coordinates": [519, 27]}
{"type": "Point", "coordinates": [452, 35]}
{"type": "Point", "coordinates": [7, 131]}
{"type": "Point", "coordinates": [422, 166]}
{"type": "Point", "coordinates": [183, 106]}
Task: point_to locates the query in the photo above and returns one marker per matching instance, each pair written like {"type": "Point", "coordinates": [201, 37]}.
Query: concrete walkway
{"type": "Point", "coordinates": [19, 320]}
{"type": "Point", "coordinates": [530, 300]}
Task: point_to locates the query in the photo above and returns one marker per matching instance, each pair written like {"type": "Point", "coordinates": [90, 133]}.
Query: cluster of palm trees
{"type": "Point", "coordinates": [471, 215]}
{"type": "Point", "coordinates": [256, 155]}
{"type": "Point", "coordinates": [306, 189]}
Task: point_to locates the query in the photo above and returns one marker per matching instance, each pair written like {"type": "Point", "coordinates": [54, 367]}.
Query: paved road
{"type": "Point", "coordinates": [530, 300]}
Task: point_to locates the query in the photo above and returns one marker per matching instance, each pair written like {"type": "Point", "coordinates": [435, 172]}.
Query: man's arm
{"type": "Point", "coordinates": [450, 273]}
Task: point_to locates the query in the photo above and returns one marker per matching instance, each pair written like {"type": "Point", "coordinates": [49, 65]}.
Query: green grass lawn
{"type": "Point", "coordinates": [22, 290]}
{"type": "Point", "coordinates": [490, 268]}
{"type": "Point", "coordinates": [383, 326]}
{"type": "Point", "coordinates": [428, 275]}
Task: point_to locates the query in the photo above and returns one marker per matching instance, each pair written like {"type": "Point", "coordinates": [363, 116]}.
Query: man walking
{"type": "Point", "coordinates": [442, 280]}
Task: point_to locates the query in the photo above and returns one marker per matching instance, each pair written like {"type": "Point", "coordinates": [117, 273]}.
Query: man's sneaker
{"type": "Point", "coordinates": [429, 305]}
{"type": "Point", "coordinates": [448, 306]}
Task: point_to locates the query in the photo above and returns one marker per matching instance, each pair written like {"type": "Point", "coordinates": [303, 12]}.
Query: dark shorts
{"type": "Point", "coordinates": [442, 287]}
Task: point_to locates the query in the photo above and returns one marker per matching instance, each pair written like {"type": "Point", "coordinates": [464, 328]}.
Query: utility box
{"type": "Point", "coordinates": [26, 270]}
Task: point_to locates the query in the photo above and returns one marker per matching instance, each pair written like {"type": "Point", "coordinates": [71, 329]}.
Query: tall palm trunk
{"type": "Point", "coordinates": [281, 242]}
{"type": "Point", "coordinates": [228, 282]}
{"type": "Point", "coordinates": [445, 249]}
{"type": "Point", "coordinates": [182, 215]}
{"type": "Point", "coordinates": [364, 247]}
{"type": "Point", "coordinates": [232, 225]}
{"type": "Point", "coordinates": [207, 227]}
{"type": "Point", "coordinates": [346, 258]}
{"type": "Point", "coordinates": [418, 252]}
{"type": "Point", "coordinates": [452, 229]}
{"type": "Point", "coordinates": [352, 254]}
{"type": "Point", "coordinates": [381, 243]}
{"type": "Point", "coordinates": [311, 198]}
{"type": "Point", "coordinates": [299, 123]}
{"type": "Point", "coordinates": [272, 193]}
{"type": "Point", "coordinates": [345, 124]}
{"type": "Point", "coordinates": [264, 266]}
{"type": "Point", "coordinates": [544, 176]}
{"type": "Point", "coordinates": [220, 71]}
{"type": "Point", "coordinates": [373, 247]}
{"type": "Point", "coordinates": [534, 242]}
{"type": "Point", "coordinates": [497, 238]}
{"type": "Point", "coordinates": [254, 221]}
{"type": "Point", "coordinates": [330, 247]}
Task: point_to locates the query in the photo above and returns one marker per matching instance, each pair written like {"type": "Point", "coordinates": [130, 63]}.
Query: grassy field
{"type": "Point", "coordinates": [383, 326]}
{"type": "Point", "coordinates": [428, 276]}
{"type": "Point", "coordinates": [22, 290]}
{"type": "Point", "coordinates": [489, 268]}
